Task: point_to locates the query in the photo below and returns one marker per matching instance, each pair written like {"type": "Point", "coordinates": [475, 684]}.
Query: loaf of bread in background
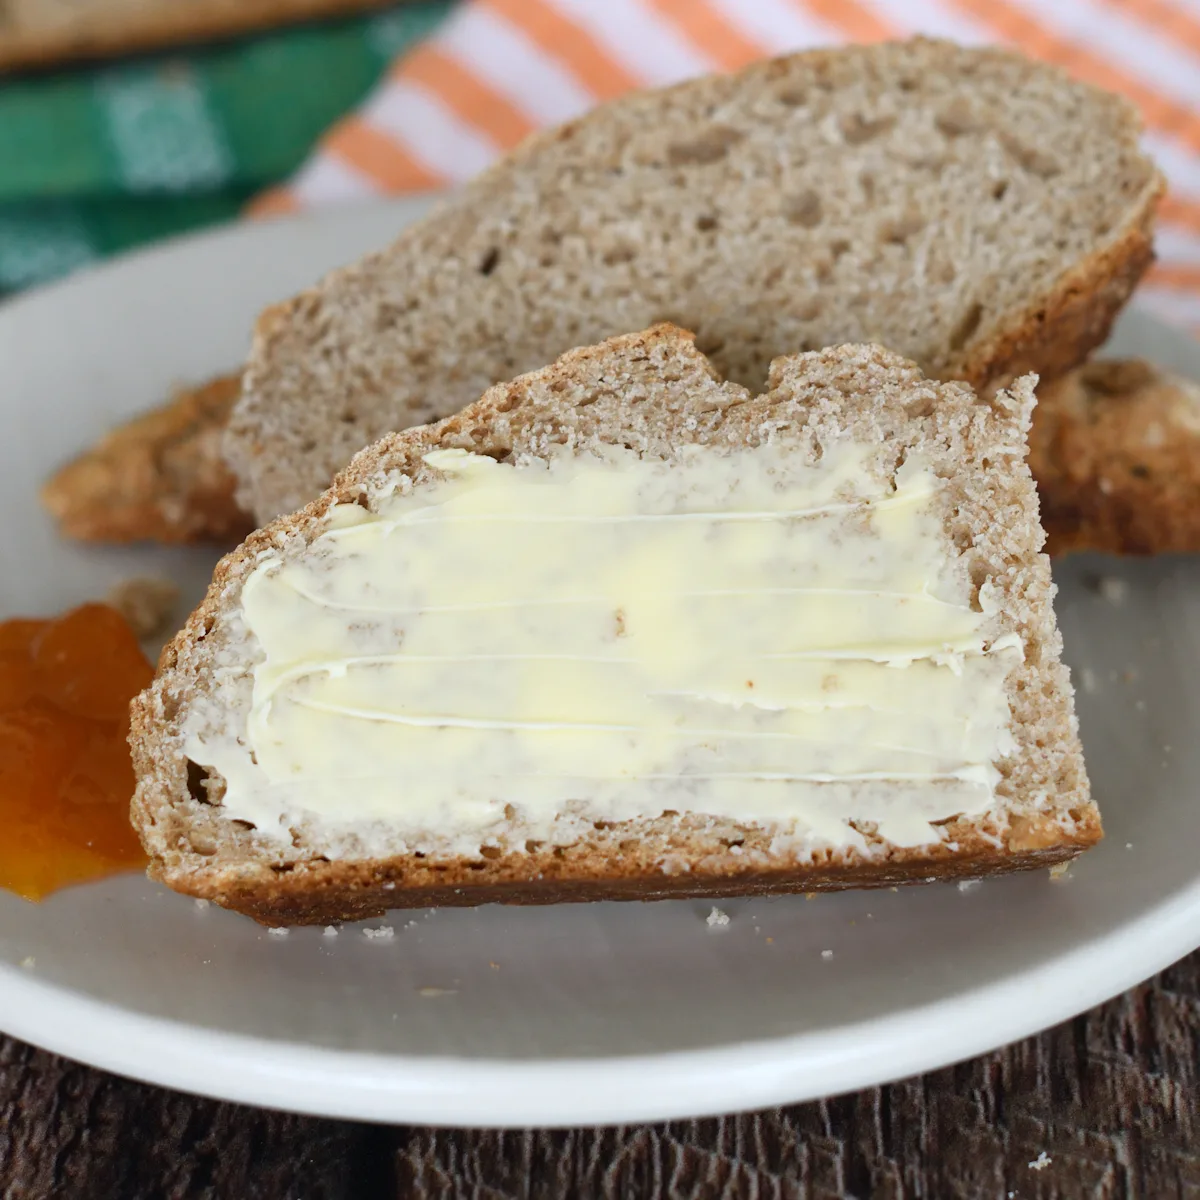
{"type": "Point", "coordinates": [655, 398]}
{"type": "Point", "coordinates": [976, 211]}
{"type": "Point", "coordinates": [1115, 448]}
{"type": "Point", "coordinates": [39, 33]}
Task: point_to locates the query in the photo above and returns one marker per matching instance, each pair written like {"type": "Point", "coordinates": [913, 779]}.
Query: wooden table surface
{"type": "Point", "coordinates": [1107, 1105]}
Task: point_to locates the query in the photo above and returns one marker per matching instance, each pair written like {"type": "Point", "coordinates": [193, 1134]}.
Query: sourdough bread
{"type": "Point", "coordinates": [650, 402]}
{"type": "Point", "coordinates": [976, 211]}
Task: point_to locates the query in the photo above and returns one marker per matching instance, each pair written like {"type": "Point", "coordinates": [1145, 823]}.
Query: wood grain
{"type": "Point", "coordinates": [1111, 1098]}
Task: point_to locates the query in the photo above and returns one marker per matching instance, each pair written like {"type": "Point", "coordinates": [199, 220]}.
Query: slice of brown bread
{"type": "Point", "coordinates": [976, 211]}
{"type": "Point", "coordinates": [159, 477]}
{"type": "Point", "coordinates": [1115, 449]}
{"type": "Point", "coordinates": [650, 397]}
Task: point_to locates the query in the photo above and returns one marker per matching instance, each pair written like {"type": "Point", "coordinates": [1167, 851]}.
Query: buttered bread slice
{"type": "Point", "coordinates": [621, 629]}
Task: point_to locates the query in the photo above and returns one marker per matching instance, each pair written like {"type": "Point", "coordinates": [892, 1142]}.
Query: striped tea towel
{"type": "Point", "coordinates": [98, 159]}
{"type": "Point", "coordinates": [498, 69]}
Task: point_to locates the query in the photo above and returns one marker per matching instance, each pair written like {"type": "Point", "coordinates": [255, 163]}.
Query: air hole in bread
{"type": "Point", "coordinates": [248, 826]}
{"type": "Point", "coordinates": [792, 97]}
{"type": "Point", "coordinates": [897, 232]}
{"type": "Point", "coordinates": [838, 248]}
{"type": "Point", "coordinates": [999, 189]}
{"type": "Point", "coordinates": [477, 866]}
{"type": "Point", "coordinates": [1138, 471]}
{"type": "Point", "coordinates": [618, 254]}
{"type": "Point", "coordinates": [348, 418]}
{"type": "Point", "coordinates": [283, 868]}
{"type": "Point", "coordinates": [307, 446]}
{"type": "Point", "coordinates": [857, 129]}
{"type": "Point", "coordinates": [487, 264]}
{"type": "Point", "coordinates": [532, 846]}
{"type": "Point", "coordinates": [805, 209]}
{"type": "Point", "coordinates": [967, 326]}
{"type": "Point", "coordinates": [955, 124]}
{"type": "Point", "coordinates": [491, 852]}
{"type": "Point", "coordinates": [710, 343]}
{"type": "Point", "coordinates": [1028, 158]}
{"type": "Point", "coordinates": [710, 147]}
{"type": "Point", "coordinates": [706, 223]}
{"type": "Point", "coordinates": [197, 777]}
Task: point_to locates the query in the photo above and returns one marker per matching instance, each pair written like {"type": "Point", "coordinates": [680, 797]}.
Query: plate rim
{"type": "Point", "coordinates": [502, 1093]}
{"type": "Point", "coordinates": [561, 1092]}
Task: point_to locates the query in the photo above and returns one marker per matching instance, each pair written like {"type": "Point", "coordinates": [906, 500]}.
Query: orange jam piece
{"type": "Point", "coordinates": [65, 774]}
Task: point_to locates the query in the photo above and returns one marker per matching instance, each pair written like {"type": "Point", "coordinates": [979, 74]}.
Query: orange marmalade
{"type": "Point", "coordinates": [65, 773]}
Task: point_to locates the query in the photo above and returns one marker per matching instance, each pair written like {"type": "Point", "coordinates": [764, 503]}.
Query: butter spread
{"type": "Point", "coordinates": [742, 633]}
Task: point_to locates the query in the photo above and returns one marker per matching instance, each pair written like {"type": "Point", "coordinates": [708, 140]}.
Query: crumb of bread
{"type": "Point", "coordinates": [968, 885]}
{"type": "Point", "coordinates": [1040, 1163]}
{"type": "Point", "coordinates": [29, 962]}
{"type": "Point", "coordinates": [278, 931]}
{"type": "Point", "coordinates": [717, 918]}
{"type": "Point", "coordinates": [384, 933]}
{"type": "Point", "coordinates": [1115, 591]}
{"type": "Point", "coordinates": [826, 953]}
{"type": "Point", "coordinates": [202, 903]}
{"type": "Point", "coordinates": [1060, 872]}
{"type": "Point", "coordinates": [146, 603]}
{"type": "Point", "coordinates": [331, 931]}
{"type": "Point", "coordinates": [430, 992]}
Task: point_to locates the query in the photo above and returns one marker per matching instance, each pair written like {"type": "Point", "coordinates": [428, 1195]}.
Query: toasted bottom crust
{"type": "Point", "coordinates": [317, 892]}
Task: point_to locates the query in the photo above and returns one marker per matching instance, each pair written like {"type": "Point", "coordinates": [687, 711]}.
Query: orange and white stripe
{"type": "Point", "coordinates": [499, 69]}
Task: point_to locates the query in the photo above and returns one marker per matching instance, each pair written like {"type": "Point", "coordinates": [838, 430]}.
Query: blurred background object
{"type": "Point", "coordinates": [40, 32]}
{"type": "Point", "coordinates": [420, 96]}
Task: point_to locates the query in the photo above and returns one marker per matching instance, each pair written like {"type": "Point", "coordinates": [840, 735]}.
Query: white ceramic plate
{"type": "Point", "coordinates": [580, 1013]}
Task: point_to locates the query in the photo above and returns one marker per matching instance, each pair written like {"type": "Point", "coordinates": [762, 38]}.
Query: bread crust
{"type": "Point", "coordinates": [196, 850]}
{"type": "Point", "coordinates": [1063, 327]}
{"type": "Point", "coordinates": [317, 893]}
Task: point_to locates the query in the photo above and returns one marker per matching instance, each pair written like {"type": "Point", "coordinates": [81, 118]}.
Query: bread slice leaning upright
{"type": "Point", "coordinates": [621, 629]}
{"type": "Point", "coordinates": [976, 211]}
